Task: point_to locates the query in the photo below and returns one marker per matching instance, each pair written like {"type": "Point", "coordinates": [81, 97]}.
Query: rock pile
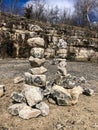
{"type": "Point", "coordinates": [63, 90]}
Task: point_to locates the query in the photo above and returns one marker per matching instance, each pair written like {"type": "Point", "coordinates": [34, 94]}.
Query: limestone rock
{"type": "Point", "coordinates": [62, 53]}
{"type": "Point", "coordinates": [66, 96]}
{"type": "Point", "coordinates": [62, 68]}
{"type": "Point", "coordinates": [2, 90]}
{"type": "Point", "coordinates": [62, 44]}
{"type": "Point", "coordinates": [37, 80]}
{"type": "Point", "coordinates": [37, 52]}
{"type": "Point", "coordinates": [38, 70]}
{"type": "Point", "coordinates": [49, 53]}
{"type": "Point", "coordinates": [18, 97]}
{"type": "Point", "coordinates": [36, 62]}
{"type": "Point", "coordinates": [18, 79]}
{"type": "Point", "coordinates": [28, 113]}
{"type": "Point", "coordinates": [35, 28]}
{"type": "Point", "coordinates": [32, 94]}
{"type": "Point", "coordinates": [14, 109]}
{"type": "Point", "coordinates": [44, 108]}
{"type": "Point", "coordinates": [36, 42]}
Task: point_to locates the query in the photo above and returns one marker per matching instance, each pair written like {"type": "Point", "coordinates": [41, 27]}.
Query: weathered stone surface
{"type": "Point", "coordinates": [28, 113]}
{"type": "Point", "coordinates": [62, 68]}
{"type": "Point", "coordinates": [36, 42]}
{"type": "Point", "coordinates": [62, 53]}
{"type": "Point", "coordinates": [82, 80]}
{"type": "Point", "coordinates": [37, 80]}
{"type": "Point", "coordinates": [38, 70]}
{"type": "Point", "coordinates": [18, 79]}
{"type": "Point", "coordinates": [32, 94]}
{"type": "Point", "coordinates": [49, 53]}
{"type": "Point", "coordinates": [88, 92]}
{"type": "Point", "coordinates": [37, 52]}
{"type": "Point", "coordinates": [14, 109]}
{"type": "Point", "coordinates": [36, 62]}
{"type": "Point", "coordinates": [62, 44]}
{"type": "Point", "coordinates": [2, 90]}
{"type": "Point", "coordinates": [35, 28]}
{"type": "Point", "coordinates": [18, 97]}
{"type": "Point", "coordinates": [66, 96]}
{"type": "Point", "coordinates": [44, 108]}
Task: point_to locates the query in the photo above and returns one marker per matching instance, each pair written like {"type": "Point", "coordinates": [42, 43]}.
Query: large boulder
{"type": "Point", "coordinates": [36, 42]}
{"type": "Point", "coordinates": [37, 52]}
{"type": "Point", "coordinates": [32, 94]}
{"type": "Point", "coordinates": [36, 62]}
{"type": "Point", "coordinates": [37, 80]}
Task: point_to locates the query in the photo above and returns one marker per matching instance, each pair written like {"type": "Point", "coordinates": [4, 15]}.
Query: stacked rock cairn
{"type": "Point", "coordinates": [63, 90]}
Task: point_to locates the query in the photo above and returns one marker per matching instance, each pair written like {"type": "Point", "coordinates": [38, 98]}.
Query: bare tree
{"type": "Point", "coordinates": [83, 8]}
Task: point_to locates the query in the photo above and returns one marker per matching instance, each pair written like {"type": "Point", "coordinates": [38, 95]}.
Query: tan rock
{"type": "Point", "coordinates": [28, 113]}
{"type": "Point", "coordinates": [18, 79]}
{"type": "Point", "coordinates": [37, 52]}
{"type": "Point", "coordinates": [36, 62]}
{"type": "Point", "coordinates": [36, 42]}
{"type": "Point", "coordinates": [38, 70]}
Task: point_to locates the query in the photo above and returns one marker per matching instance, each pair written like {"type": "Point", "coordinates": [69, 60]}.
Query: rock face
{"type": "Point", "coordinates": [2, 90]}
{"type": "Point", "coordinates": [32, 94]}
{"type": "Point", "coordinates": [36, 42]}
{"type": "Point", "coordinates": [28, 113]}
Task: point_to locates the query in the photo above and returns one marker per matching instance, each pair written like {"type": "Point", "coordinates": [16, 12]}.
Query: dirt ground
{"type": "Point", "coordinates": [82, 116]}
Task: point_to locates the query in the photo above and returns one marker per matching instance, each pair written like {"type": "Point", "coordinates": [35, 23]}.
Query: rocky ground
{"type": "Point", "coordinates": [82, 116]}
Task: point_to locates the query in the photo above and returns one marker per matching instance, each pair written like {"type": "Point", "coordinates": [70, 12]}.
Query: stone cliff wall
{"type": "Point", "coordinates": [17, 34]}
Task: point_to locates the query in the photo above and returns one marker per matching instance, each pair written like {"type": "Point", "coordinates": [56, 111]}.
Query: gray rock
{"type": "Point", "coordinates": [38, 70]}
{"type": "Point", "coordinates": [44, 108]}
{"type": "Point", "coordinates": [14, 109]}
{"type": "Point", "coordinates": [82, 80]}
{"type": "Point", "coordinates": [35, 28]}
{"type": "Point", "coordinates": [18, 97]}
{"type": "Point", "coordinates": [37, 80]}
{"type": "Point", "coordinates": [28, 113]}
{"type": "Point", "coordinates": [36, 42]}
{"type": "Point", "coordinates": [18, 79]}
{"type": "Point", "coordinates": [37, 52]}
{"type": "Point", "coordinates": [36, 62]}
{"type": "Point", "coordinates": [88, 92]}
{"type": "Point", "coordinates": [62, 44]}
{"type": "Point", "coordinates": [2, 90]}
{"type": "Point", "coordinates": [66, 96]}
{"type": "Point", "coordinates": [32, 94]}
